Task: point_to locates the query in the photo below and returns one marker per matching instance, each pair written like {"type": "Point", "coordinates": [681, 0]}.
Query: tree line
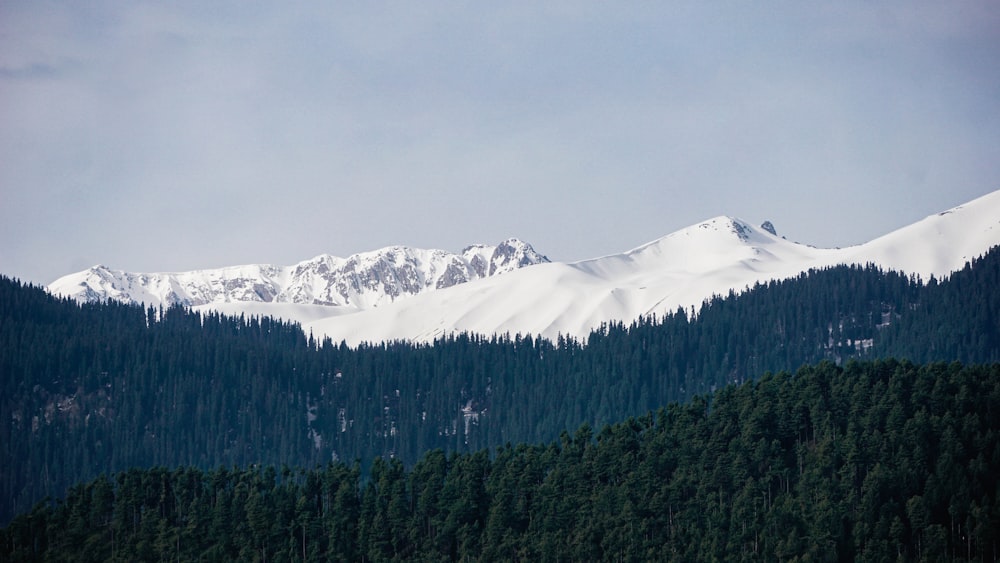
{"type": "Point", "coordinates": [881, 460]}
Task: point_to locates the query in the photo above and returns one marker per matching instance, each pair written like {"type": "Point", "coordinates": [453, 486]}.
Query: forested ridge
{"type": "Point", "coordinates": [101, 388]}
{"type": "Point", "coordinates": [882, 460]}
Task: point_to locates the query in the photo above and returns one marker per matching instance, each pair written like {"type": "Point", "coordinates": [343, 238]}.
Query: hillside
{"type": "Point", "coordinates": [99, 388]}
{"type": "Point", "coordinates": [876, 461]}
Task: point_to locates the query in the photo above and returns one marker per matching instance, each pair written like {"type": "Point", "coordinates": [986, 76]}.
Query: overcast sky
{"type": "Point", "coordinates": [169, 136]}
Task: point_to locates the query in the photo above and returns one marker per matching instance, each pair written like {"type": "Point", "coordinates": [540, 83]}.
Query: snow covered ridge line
{"type": "Point", "coordinates": [360, 298]}
{"type": "Point", "coordinates": [681, 269]}
{"type": "Point", "coordinates": [359, 282]}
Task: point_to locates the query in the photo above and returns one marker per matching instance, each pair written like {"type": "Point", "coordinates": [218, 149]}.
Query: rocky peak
{"type": "Point", "coordinates": [512, 254]}
{"type": "Point", "coordinates": [362, 280]}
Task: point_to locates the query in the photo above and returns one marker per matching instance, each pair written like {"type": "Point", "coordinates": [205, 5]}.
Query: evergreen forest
{"type": "Point", "coordinates": [121, 411]}
{"type": "Point", "coordinates": [875, 461]}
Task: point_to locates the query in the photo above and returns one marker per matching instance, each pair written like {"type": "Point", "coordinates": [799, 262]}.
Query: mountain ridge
{"type": "Point", "coordinates": [679, 270]}
{"type": "Point", "coordinates": [360, 281]}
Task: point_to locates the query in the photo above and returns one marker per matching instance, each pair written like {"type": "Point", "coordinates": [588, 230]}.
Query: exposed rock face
{"type": "Point", "coordinates": [363, 280]}
{"type": "Point", "coordinates": [769, 227]}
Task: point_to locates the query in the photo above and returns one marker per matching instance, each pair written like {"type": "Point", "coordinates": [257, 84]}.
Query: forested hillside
{"type": "Point", "coordinates": [874, 461]}
{"type": "Point", "coordinates": [104, 388]}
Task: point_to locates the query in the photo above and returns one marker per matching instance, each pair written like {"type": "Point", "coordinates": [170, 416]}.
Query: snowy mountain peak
{"type": "Point", "coordinates": [360, 281]}
{"type": "Point", "coordinates": [703, 245]}
{"type": "Point", "coordinates": [721, 228]}
{"type": "Point", "coordinates": [403, 293]}
{"type": "Point", "coordinates": [507, 256]}
{"type": "Point", "coordinates": [681, 269]}
{"type": "Point", "coordinates": [512, 254]}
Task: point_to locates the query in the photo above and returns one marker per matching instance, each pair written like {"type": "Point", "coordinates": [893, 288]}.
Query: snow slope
{"type": "Point", "coordinates": [681, 269]}
{"type": "Point", "coordinates": [359, 282]}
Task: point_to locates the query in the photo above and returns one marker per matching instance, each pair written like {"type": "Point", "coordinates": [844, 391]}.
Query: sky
{"type": "Point", "coordinates": [173, 136]}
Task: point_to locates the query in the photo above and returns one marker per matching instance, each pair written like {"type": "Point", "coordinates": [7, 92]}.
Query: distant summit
{"type": "Point", "coordinates": [402, 293]}
{"type": "Point", "coordinates": [360, 281]}
{"type": "Point", "coordinates": [507, 256]}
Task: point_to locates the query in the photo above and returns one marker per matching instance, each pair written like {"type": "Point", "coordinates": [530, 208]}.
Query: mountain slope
{"type": "Point", "coordinates": [679, 270]}
{"type": "Point", "coordinates": [358, 282]}
{"type": "Point", "coordinates": [103, 387]}
{"type": "Point", "coordinates": [937, 245]}
{"type": "Point", "coordinates": [357, 300]}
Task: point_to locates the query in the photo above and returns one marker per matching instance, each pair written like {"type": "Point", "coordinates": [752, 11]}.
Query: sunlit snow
{"type": "Point", "coordinates": [681, 269]}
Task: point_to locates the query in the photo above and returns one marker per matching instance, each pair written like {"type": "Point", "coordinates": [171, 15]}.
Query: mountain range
{"type": "Point", "coordinates": [359, 282]}
{"type": "Point", "coordinates": [401, 293]}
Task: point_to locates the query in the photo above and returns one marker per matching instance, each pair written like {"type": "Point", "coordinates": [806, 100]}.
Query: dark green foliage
{"type": "Point", "coordinates": [873, 461]}
{"type": "Point", "coordinates": [102, 388]}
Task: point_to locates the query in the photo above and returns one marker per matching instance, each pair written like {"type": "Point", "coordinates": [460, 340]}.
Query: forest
{"type": "Point", "coordinates": [874, 461]}
{"type": "Point", "coordinates": [99, 389]}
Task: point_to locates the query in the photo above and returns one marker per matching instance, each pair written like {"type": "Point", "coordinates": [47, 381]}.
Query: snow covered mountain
{"type": "Point", "coordinates": [359, 282]}
{"type": "Point", "coordinates": [681, 269]}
